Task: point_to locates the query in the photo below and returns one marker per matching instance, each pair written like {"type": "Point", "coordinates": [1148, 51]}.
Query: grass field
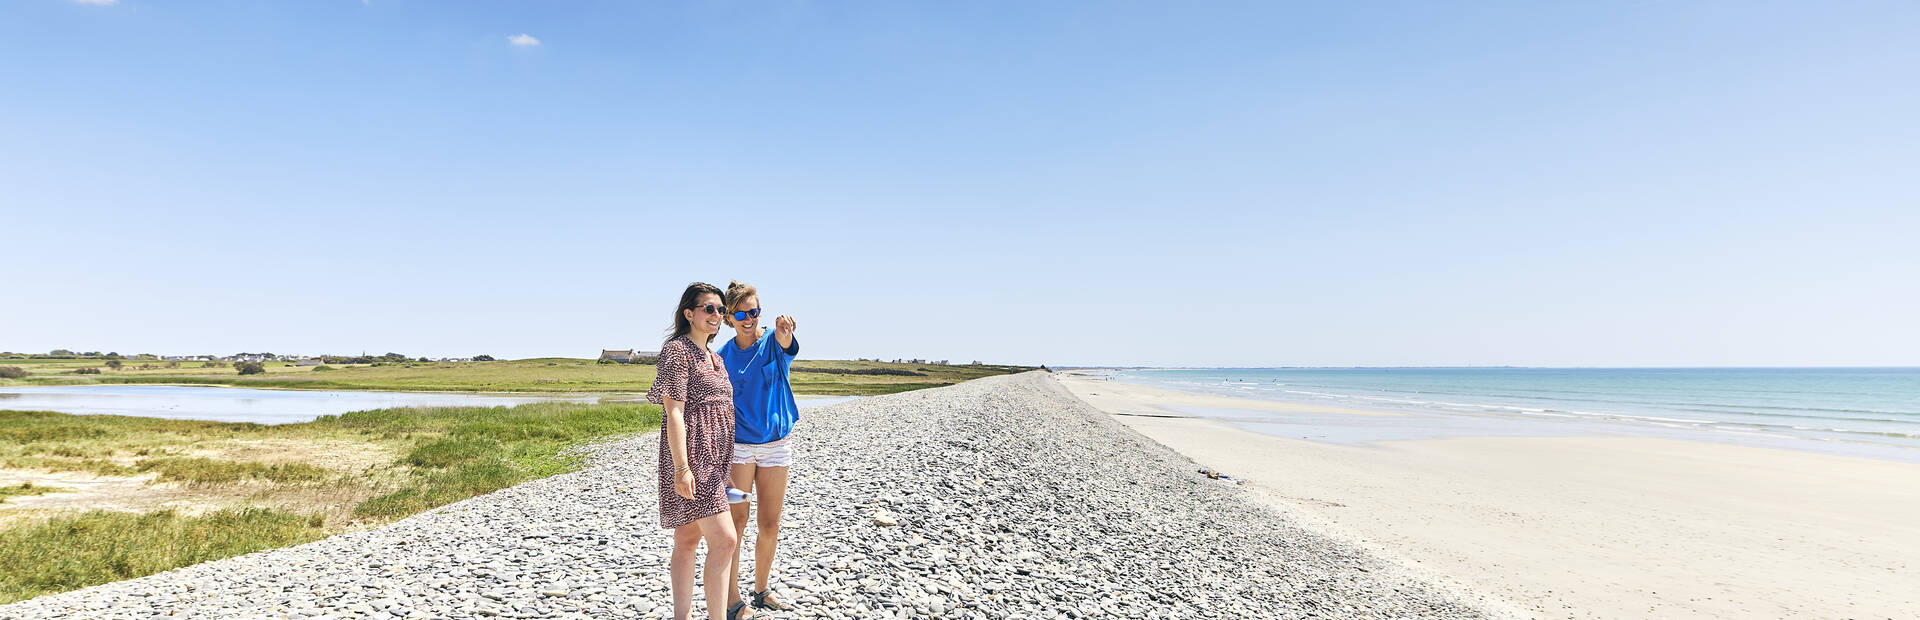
{"type": "Point", "coordinates": [530, 375]}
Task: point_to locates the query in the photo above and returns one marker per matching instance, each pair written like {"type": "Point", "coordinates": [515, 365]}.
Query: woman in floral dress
{"type": "Point", "coordinates": [696, 445]}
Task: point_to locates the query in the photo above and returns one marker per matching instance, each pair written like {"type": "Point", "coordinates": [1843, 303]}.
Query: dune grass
{"type": "Point", "coordinates": [459, 452]}
{"type": "Point", "coordinates": [436, 456]}
{"type": "Point", "coordinates": [21, 490]}
{"type": "Point", "coordinates": [79, 550]}
{"type": "Point", "coordinates": [107, 445]}
{"type": "Point", "coordinates": [198, 470]}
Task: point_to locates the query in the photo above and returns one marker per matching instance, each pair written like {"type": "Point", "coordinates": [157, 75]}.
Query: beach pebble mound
{"type": "Point", "coordinates": [1003, 497]}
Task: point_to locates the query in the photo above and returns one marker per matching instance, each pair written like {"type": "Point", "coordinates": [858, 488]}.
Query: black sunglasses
{"type": "Point", "coordinates": [711, 309]}
{"type": "Point", "coordinates": [743, 314]}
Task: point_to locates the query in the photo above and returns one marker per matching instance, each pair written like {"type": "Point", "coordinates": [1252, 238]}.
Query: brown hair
{"type": "Point", "coordinates": [737, 292]}
{"type": "Point", "coordinates": [688, 299]}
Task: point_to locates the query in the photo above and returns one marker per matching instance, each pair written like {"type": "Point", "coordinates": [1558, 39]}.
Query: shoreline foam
{"type": "Point", "coordinates": [1874, 407]}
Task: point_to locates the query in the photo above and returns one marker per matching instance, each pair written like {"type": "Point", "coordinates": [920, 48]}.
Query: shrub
{"type": "Point", "coordinates": [323, 367]}
{"type": "Point", "coordinates": [602, 361]}
{"type": "Point", "coordinates": [12, 372]}
{"type": "Point", "coordinates": [114, 364]}
{"type": "Point", "coordinates": [86, 371]}
{"type": "Point", "coordinates": [483, 358]}
{"type": "Point", "coordinates": [173, 364]}
{"type": "Point", "coordinates": [214, 365]}
{"type": "Point", "coordinates": [251, 368]}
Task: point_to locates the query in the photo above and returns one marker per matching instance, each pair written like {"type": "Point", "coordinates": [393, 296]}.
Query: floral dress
{"type": "Point", "coordinates": [689, 373]}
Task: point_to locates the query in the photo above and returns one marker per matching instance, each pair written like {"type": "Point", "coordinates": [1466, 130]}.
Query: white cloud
{"type": "Point", "coordinates": [96, 2]}
{"type": "Point", "coordinates": [520, 40]}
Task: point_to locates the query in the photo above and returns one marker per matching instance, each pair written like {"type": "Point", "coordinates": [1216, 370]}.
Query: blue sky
{"type": "Point", "coordinates": [1246, 184]}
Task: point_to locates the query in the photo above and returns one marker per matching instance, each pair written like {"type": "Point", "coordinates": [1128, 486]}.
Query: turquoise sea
{"type": "Point", "coordinates": [1875, 408]}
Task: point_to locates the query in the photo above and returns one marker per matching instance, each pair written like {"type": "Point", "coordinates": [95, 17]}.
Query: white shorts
{"type": "Point", "coordinates": [778, 453]}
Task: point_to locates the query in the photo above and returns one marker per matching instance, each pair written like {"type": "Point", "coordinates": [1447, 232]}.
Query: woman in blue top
{"type": "Point", "coordinates": [759, 364]}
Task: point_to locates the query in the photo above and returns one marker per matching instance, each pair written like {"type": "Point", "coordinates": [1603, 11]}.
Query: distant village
{"type": "Point", "coordinates": [297, 360]}
{"type": "Point", "coordinates": [915, 361]}
{"type": "Point", "coordinates": [634, 356]}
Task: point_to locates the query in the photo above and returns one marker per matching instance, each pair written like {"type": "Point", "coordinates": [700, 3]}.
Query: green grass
{"type": "Point", "coordinates": [23, 489]}
{"type": "Point", "coordinates": [563, 375]}
{"type": "Point", "coordinates": [216, 471]}
{"type": "Point", "coordinates": [105, 444]}
{"type": "Point", "coordinates": [467, 451]}
{"type": "Point", "coordinates": [447, 454]}
{"type": "Point", "coordinates": [79, 550]}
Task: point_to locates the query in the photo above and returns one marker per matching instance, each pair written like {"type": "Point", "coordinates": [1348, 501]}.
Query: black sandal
{"type": "Point", "coordinates": [733, 612]}
{"type": "Point", "coordinates": [764, 600]}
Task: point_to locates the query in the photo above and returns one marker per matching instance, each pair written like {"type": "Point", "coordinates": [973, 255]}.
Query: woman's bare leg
{"type": "Point", "coordinates": [686, 539]}
{"type": "Point", "coordinates": [743, 480]}
{"type": "Point", "coordinates": [722, 545]}
{"type": "Point", "coordinates": [772, 498]}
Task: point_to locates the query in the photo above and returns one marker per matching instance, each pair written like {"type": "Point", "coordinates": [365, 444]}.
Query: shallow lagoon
{"type": "Point", "coordinates": [228, 404]}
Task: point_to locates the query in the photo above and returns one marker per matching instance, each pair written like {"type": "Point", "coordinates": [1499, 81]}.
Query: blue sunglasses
{"type": "Point", "coordinates": [743, 314]}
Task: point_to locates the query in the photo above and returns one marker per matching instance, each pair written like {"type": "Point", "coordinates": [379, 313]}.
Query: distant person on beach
{"type": "Point", "coordinates": [759, 364]}
{"type": "Point", "coordinates": [695, 447]}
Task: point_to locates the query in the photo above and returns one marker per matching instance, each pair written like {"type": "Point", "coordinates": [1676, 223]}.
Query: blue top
{"type": "Point", "coordinates": [764, 411]}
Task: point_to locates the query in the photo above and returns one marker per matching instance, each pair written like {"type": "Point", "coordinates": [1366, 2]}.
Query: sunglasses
{"type": "Point", "coordinates": [743, 314]}
{"type": "Point", "coordinates": [711, 309]}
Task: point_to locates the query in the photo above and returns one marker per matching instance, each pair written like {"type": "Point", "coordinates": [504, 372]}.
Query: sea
{"type": "Point", "coordinates": [1875, 411]}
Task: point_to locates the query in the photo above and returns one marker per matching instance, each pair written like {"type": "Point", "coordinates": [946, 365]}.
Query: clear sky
{"type": "Point", "coordinates": [1069, 183]}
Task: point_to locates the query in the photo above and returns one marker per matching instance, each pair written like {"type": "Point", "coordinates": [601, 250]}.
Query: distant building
{"type": "Point", "coordinates": [618, 356]}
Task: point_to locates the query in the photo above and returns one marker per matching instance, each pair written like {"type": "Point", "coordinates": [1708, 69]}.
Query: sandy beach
{"type": "Point", "coordinates": [1579, 527]}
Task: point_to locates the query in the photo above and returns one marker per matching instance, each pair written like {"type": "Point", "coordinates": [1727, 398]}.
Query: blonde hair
{"type": "Point", "coordinates": [737, 292]}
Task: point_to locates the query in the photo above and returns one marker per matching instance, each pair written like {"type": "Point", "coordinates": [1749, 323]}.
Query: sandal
{"type": "Point", "coordinates": [733, 612]}
{"type": "Point", "coordinates": [764, 599]}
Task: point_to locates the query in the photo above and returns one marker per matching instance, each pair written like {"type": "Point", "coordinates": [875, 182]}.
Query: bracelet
{"type": "Point", "coordinates": [678, 469]}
